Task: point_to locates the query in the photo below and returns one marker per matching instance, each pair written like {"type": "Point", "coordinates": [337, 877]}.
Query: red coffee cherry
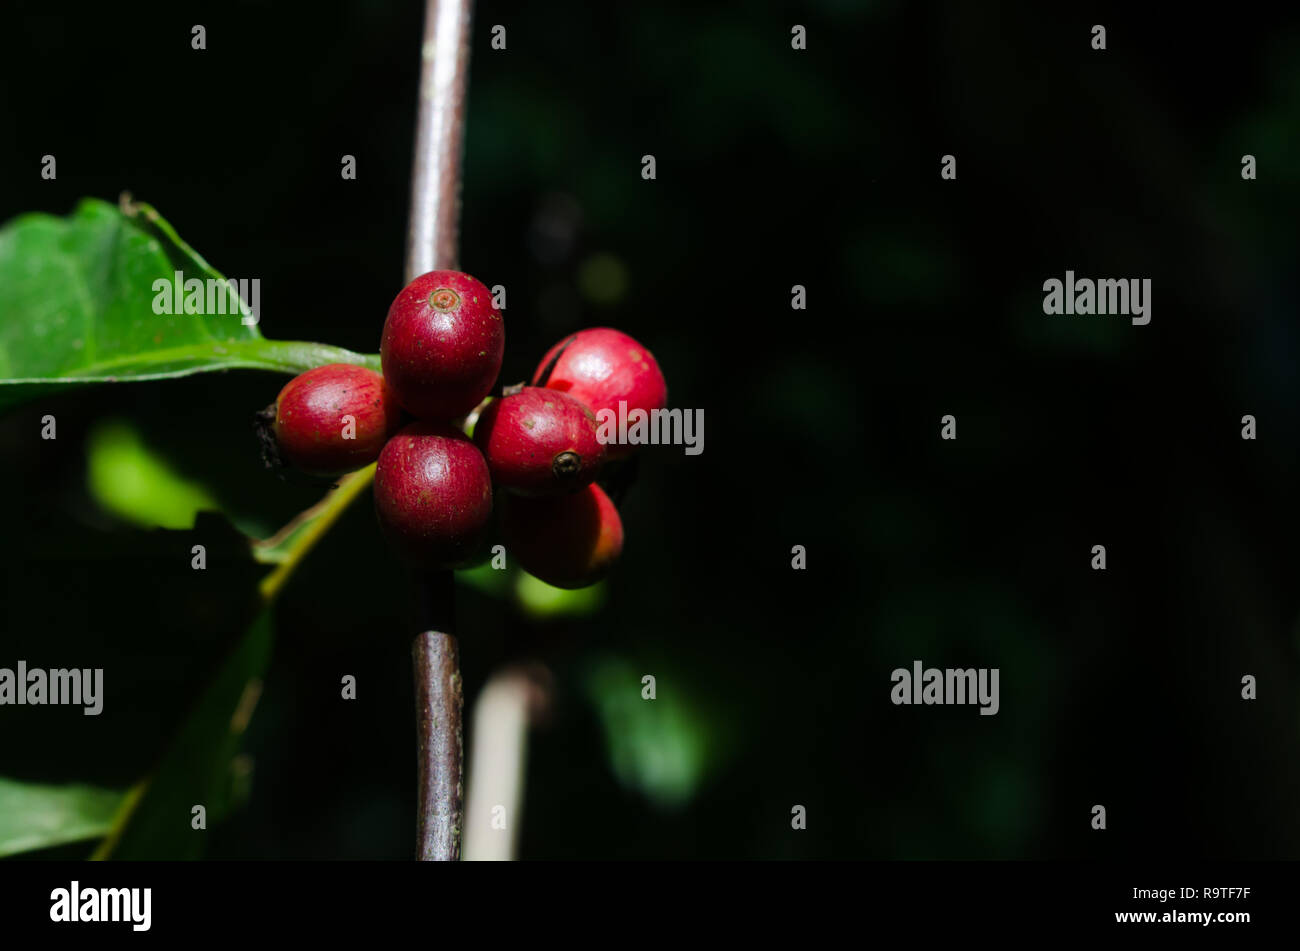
{"type": "Point", "coordinates": [569, 541]}
{"type": "Point", "coordinates": [539, 442]}
{"type": "Point", "coordinates": [442, 345]}
{"type": "Point", "coordinates": [333, 419]}
{"type": "Point", "coordinates": [433, 495]}
{"type": "Point", "coordinates": [601, 367]}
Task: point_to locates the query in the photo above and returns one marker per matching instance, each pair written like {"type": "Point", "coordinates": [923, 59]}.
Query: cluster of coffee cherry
{"type": "Point", "coordinates": [536, 445]}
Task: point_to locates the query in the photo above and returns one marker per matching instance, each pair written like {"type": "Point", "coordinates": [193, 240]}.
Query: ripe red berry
{"type": "Point", "coordinates": [333, 419]}
{"type": "Point", "coordinates": [433, 494]}
{"type": "Point", "coordinates": [601, 367]}
{"type": "Point", "coordinates": [539, 442]}
{"type": "Point", "coordinates": [442, 345]}
{"type": "Point", "coordinates": [569, 541]}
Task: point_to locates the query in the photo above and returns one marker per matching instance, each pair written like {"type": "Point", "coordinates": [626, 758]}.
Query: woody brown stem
{"type": "Point", "coordinates": [432, 245]}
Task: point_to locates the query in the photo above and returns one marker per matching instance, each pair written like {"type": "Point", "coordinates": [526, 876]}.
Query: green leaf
{"type": "Point", "coordinates": [138, 485]}
{"type": "Point", "coordinates": [77, 306]}
{"type": "Point", "coordinates": [37, 817]}
{"type": "Point", "coordinates": [200, 767]}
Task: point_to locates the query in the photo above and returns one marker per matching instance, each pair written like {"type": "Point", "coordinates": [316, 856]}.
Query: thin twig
{"type": "Point", "coordinates": [432, 245]}
{"type": "Point", "coordinates": [330, 509]}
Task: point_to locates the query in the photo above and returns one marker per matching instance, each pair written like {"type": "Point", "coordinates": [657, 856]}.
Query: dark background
{"type": "Point", "coordinates": [775, 167]}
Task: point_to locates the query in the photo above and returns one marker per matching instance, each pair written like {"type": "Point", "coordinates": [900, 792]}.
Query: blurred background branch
{"type": "Point", "coordinates": [515, 698]}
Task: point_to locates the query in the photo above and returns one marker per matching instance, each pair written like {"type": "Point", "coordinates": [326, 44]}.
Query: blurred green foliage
{"type": "Point", "coordinates": [660, 746]}
{"type": "Point", "coordinates": [542, 600]}
{"type": "Point", "coordinates": [138, 485]}
{"type": "Point", "coordinates": [34, 816]}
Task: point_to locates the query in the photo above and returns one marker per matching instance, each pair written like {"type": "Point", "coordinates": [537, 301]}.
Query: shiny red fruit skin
{"type": "Point", "coordinates": [601, 366]}
{"type": "Point", "coordinates": [309, 425]}
{"type": "Point", "coordinates": [539, 442]}
{"type": "Point", "coordinates": [442, 345]}
{"type": "Point", "coordinates": [433, 495]}
{"type": "Point", "coordinates": [569, 541]}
